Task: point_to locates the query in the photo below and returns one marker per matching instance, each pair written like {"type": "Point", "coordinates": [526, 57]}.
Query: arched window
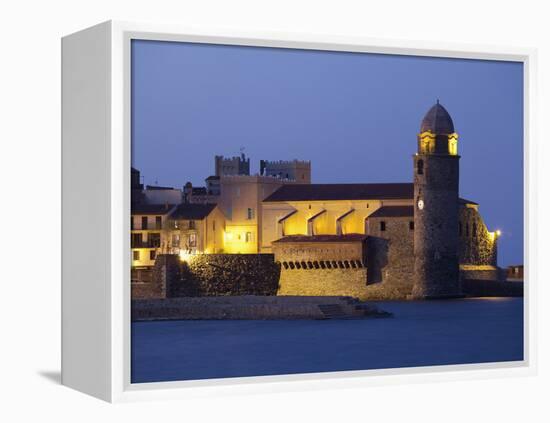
{"type": "Point", "coordinates": [420, 167]}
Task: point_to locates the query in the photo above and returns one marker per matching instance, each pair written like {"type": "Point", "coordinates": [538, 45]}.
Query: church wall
{"type": "Point", "coordinates": [320, 282]}
{"type": "Point", "coordinates": [390, 258]}
{"type": "Point", "coordinates": [477, 247]}
{"type": "Point", "coordinates": [271, 229]}
{"type": "Point", "coordinates": [322, 268]}
{"type": "Point", "coordinates": [324, 224]}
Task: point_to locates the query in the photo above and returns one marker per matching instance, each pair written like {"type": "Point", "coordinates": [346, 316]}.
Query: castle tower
{"type": "Point", "coordinates": [436, 172]}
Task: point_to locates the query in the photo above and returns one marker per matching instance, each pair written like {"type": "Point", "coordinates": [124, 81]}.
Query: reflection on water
{"type": "Point", "coordinates": [420, 334]}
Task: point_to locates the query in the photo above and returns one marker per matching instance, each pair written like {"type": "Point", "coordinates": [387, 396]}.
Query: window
{"type": "Point", "coordinates": [250, 213]}
{"type": "Point", "coordinates": [135, 255]}
{"type": "Point", "coordinates": [248, 237]}
{"type": "Point", "coordinates": [144, 222]}
{"type": "Point", "coordinates": [420, 167]}
{"type": "Point", "coordinates": [152, 254]}
{"type": "Point", "coordinates": [175, 241]}
{"type": "Point", "coordinates": [137, 240]}
{"type": "Point", "coordinates": [382, 226]}
{"type": "Point", "coordinates": [411, 225]}
{"type": "Point", "coordinates": [158, 222]}
{"type": "Point", "coordinates": [131, 222]}
{"type": "Point", "coordinates": [192, 240]}
{"type": "Point", "coordinates": [214, 225]}
{"type": "Point", "coordinates": [192, 224]}
{"type": "Point", "coordinates": [154, 240]}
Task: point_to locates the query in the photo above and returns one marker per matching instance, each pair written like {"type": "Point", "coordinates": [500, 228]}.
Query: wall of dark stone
{"type": "Point", "coordinates": [226, 274]}
{"type": "Point", "coordinates": [143, 286]}
{"type": "Point", "coordinates": [390, 258]}
{"type": "Point", "coordinates": [476, 246]}
{"type": "Point", "coordinates": [436, 270]}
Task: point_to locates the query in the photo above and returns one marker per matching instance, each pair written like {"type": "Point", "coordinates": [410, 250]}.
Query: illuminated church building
{"type": "Point", "coordinates": [390, 240]}
{"type": "Point", "coordinates": [394, 240]}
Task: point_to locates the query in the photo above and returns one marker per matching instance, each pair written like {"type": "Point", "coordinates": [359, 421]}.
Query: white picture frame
{"type": "Point", "coordinates": [96, 207]}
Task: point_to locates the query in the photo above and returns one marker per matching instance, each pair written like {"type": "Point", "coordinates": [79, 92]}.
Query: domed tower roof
{"type": "Point", "coordinates": [437, 120]}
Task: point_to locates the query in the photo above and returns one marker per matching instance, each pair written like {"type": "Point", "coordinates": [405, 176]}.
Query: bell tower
{"type": "Point", "coordinates": [436, 172]}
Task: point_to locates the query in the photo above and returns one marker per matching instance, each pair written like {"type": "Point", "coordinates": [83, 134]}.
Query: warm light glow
{"type": "Point", "coordinates": [498, 232]}
{"type": "Point", "coordinates": [240, 239]}
{"type": "Point", "coordinates": [453, 144]}
{"type": "Point", "coordinates": [186, 257]}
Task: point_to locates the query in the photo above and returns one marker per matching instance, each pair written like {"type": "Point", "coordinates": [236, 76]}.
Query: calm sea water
{"type": "Point", "coordinates": [420, 334]}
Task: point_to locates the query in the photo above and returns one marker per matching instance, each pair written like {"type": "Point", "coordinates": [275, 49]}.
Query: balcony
{"type": "Point", "coordinates": [145, 244]}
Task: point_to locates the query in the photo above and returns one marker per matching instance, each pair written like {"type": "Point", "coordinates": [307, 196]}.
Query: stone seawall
{"type": "Point", "coordinates": [490, 288]}
{"type": "Point", "coordinates": [227, 274]}
{"type": "Point", "coordinates": [482, 272]}
{"type": "Point", "coordinates": [252, 308]}
{"type": "Point", "coordinates": [332, 282]}
{"type": "Point", "coordinates": [349, 282]}
{"type": "Point", "coordinates": [208, 275]}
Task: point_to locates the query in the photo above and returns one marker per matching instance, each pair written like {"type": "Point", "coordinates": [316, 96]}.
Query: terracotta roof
{"type": "Point", "coordinates": [320, 192]}
{"type": "Point", "coordinates": [393, 211]}
{"type": "Point", "coordinates": [323, 238]}
{"type": "Point", "coordinates": [192, 211]}
{"type": "Point", "coordinates": [157, 209]}
{"type": "Point", "coordinates": [327, 192]}
{"type": "Point", "coordinates": [437, 120]}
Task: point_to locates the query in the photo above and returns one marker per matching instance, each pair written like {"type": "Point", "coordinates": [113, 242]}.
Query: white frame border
{"type": "Point", "coordinates": [121, 388]}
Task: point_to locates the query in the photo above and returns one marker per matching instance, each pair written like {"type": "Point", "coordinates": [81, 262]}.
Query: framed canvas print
{"type": "Point", "coordinates": [257, 211]}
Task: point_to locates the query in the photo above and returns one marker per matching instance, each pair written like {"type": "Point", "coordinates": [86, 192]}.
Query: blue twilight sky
{"type": "Point", "coordinates": [354, 115]}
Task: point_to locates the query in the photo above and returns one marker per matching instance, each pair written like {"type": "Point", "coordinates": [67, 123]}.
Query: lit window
{"type": "Point", "coordinates": [175, 240]}
{"type": "Point", "coordinates": [248, 237]}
